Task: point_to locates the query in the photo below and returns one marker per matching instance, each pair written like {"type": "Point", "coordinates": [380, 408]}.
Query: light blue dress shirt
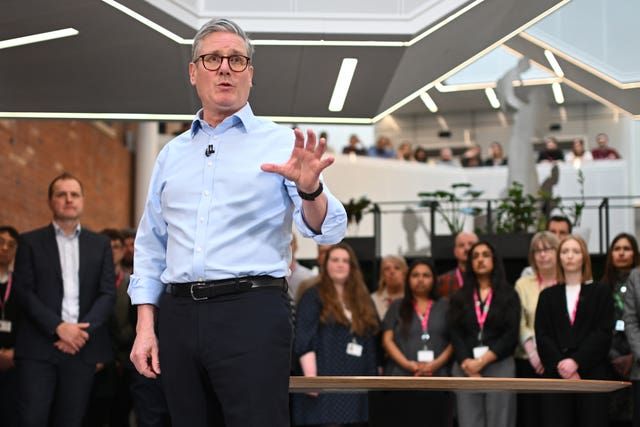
{"type": "Point", "coordinates": [221, 216]}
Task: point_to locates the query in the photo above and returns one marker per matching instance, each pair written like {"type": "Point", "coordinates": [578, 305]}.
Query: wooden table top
{"type": "Point", "coordinates": [349, 384]}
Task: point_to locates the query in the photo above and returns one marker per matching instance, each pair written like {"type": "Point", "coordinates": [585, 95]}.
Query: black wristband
{"type": "Point", "coordinates": [311, 196]}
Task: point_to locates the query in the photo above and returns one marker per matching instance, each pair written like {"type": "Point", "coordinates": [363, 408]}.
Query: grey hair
{"type": "Point", "coordinates": [219, 25]}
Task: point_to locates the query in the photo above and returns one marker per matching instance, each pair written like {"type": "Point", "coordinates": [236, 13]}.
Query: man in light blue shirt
{"type": "Point", "coordinates": [212, 248]}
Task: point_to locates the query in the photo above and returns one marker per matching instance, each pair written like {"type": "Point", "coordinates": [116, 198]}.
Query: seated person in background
{"type": "Point", "coordinates": [405, 152]}
{"type": "Point", "coordinates": [496, 155]}
{"type": "Point", "coordinates": [355, 146]}
{"type": "Point", "coordinates": [603, 151]}
{"type": "Point", "coordinates": [446, 157]}
{"type": "Point", "coordinates": [578, 153]}
{"type": "Point", "coordinates": [393, 270]}
{"type": "Point", "coordinates": [452, 280]}
{"type": "Point", "coordinates": [416, 337]}
{"type": "Point", "coordinates": [383, 149]}
{"type": "Point", "coordinates": [471, 157]}
{"type": "Point", "coordinates": [420, 155]}
{"type": "Point", "coordinates": [551, 152]}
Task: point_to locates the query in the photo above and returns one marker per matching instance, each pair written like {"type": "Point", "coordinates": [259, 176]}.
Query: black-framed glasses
{"type": "Point", "coordinates": [213, 62]}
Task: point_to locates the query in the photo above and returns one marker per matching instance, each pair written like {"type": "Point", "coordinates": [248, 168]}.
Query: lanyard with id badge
{"type": "Point", "coordinates": [482, 310]}
{"type": "Point", "coordinates": [620, 304]}
{"type": "Point", "coordinates": [354, 349]}
{"type": "Point", "coordinates": [5, 325]}
{"type": "Point", "coordinates": [424, 354]}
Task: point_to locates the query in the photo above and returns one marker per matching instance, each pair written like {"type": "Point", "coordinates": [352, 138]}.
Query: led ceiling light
{"type": "Point", "coordinates": [554, 63]}
{"type": "Point", "coordinates": [491, 96]}
{"type": "Point", "coordinates": [557, 93]}
{"type": "Point", "coordinates": [347, 69]}
{"type": "Point", "coordinates": [36, 38]}
{"type": "Point", "coordinates": [428, 102]}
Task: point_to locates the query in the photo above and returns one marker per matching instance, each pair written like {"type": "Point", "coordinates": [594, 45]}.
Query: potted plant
{"type": "Point", "coordinates": [356, 208]}
{"type": "Point", "coordinates": [453, 206]}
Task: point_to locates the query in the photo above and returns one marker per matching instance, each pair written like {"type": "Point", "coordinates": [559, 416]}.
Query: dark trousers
{"type": "Point", "coordinates": [528, 414]}
{"type": "Point", "coordinates": [578, 410]}
{"type": "Point", "coordinates": [225, 361]}
{"type": "Point", "coordinates": [53, 393]}
{"type": "Point", "coordinates": [9, 398]}
{"type": "Point", "coordinates": [148, 400]}
{"type": "Point", "coordinates": [636, 402]}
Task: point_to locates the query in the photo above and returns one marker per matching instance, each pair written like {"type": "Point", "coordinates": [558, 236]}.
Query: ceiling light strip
{"type": "Point", "coordinates": [492, 97]}
{"type": "Point", "coordinates": [580, 64]}
{"type": "Point", "coordinates": [557, 93]}
{"type": "Point", "coordinates": [554, 63]}
{"type": "Point", "coordinates": [479, 86]}
{"type": "Point", "coordinates": [37, 38]}
{"type": "Point", "coordinates": [149, 23]}
{"type": "Point", "coordinates": [429, 102]}
{"type": "Point", "coordinates": [343, 82]}
{"type": "Point", "coordinates": [454, 70]}
{"type": "Point", "coordinates": [444, 22]}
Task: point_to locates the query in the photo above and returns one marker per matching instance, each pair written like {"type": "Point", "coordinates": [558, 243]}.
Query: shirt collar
{"type": "Point", "coordinates": [60, 232]}
{"type": "Point", "coordinates": [243, 116]}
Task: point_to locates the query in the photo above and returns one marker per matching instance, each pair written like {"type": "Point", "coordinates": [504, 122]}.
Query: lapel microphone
{"type": "Point", "coordinates": [209, 151]}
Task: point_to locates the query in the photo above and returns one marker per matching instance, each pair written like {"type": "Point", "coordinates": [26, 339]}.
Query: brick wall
{"type": "Point", "coordinates": [32, 153]}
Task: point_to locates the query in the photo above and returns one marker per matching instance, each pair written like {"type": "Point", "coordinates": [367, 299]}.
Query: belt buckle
{"type": "Point", "coordinates": [193, 297]}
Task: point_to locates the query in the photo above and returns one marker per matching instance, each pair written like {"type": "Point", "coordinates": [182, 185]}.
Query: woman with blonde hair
{"type": "Point", "coordinates": [543, 260]}
{"type": "Point", "coordinates": [335, 327]}
{"type": "Point", "coordinates": [574, 324]}
{"type": "Point", "coordinates": [393, 270]}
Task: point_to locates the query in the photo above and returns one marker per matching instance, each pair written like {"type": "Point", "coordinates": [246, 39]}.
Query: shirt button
{"type": "Point", "coordinates": [199, 279]}
{"type": "Point", "coordinates": [198, 249]}
{"type": "Point", "coordinates": [206, 193]}
{"type": "Point", "coordinates": [215, 137]}
{"type": "Point", "coordinates": [210, 164]}
{"type": "Point", "coordinates": [201, 219]}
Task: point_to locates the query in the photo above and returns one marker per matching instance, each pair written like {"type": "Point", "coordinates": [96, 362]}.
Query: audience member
{"type": "Point", "coordinates": [573, 326]}
{"type": "Point", "coordinates": [127, 257]}
{"type": "Point", "coordinates": [64, 280]}
{"type": "Point", "coordinates": [312, 281]}
{"type": "Point", "coordinates": [420, 155]}
{"type": "Point", "coordinates": [416, 338]}
{"type": "Point", "coordinates": [405, 152]}
{"type": "Point", "coordinates": [484, 318]}
{"type": "Point", "coordinates": [631, 320]}
{"type": "Point", "coordinates": [9, 311]}
{"type": "Point", "coordinates": [393, 270]}
{"type": "Point", "coordinates": [622, 258]}
{"type": "Point", "coordinates": [551, 152]}
{"type": "Point", "coordinates": [558, 225]}
{"type": "Point", "coordinates": [297, 272]}
{"type": "Point", "coordinates": [452, 280]}
{"type": "Point", "coordinates": [496, 155]}
{"type": "Point", "coordinates": [383, 149]}
{"type": "Point", "coordinates": [578, 154]}
{"type": "Point", "coordinates": [446, 157]}
{"type": "Point", "coordinates": [472, 156]}
{"type": "Point", "coordinates": [355, 146]}
{"type": "Point", "coordinates": [603, 151]}
{"type": "Point", "coordinates": [542, 258]}
{"type": "Point", "coordinates": [336, 323]}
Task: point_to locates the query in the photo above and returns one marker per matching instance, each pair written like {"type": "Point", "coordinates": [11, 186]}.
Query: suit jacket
{"type": "Point", "coordinates": [39, 289]}
{"type": "Point", "coordinates": [587, 341]}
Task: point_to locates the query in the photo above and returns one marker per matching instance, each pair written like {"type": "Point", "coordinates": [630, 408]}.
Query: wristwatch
{"type": "Point", "coordinates": [311, 196]}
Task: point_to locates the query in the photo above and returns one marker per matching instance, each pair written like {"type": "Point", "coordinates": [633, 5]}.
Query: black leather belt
{"type": "Point", "coordinates": [204, 290]}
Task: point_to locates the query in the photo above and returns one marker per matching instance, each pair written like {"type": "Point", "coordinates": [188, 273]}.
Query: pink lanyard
{"type": "Point", "coordinates": [481, 315]}
{"type": "Point", "coordinates": [119, 279]}
{"type": "Point", "coordinates": [540, 282]}
{"type": "Point", "coordinates": [424, 320]}
{"type": "Point", "coordinates": [7, 292]}
{"type": "Point", "coordinates": [575, 307]}
{"type": "Point", "coordinates": [459, 277]}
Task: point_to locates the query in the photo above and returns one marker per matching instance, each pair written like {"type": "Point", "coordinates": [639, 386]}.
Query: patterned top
{"type": "Point", "coordinates": [448, 283]}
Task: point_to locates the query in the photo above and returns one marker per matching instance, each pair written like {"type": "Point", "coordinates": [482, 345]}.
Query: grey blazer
{"type": "Point", "coordinates": [631, 319]}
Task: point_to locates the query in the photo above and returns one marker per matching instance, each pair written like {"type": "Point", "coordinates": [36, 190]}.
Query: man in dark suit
{"type": "Point", "coordinates": [64, 280]}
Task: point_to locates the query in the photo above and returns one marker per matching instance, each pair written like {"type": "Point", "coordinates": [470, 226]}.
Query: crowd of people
{"type": "Point", "coordinates": [557, 322]}
{"type": "Point", "coordinates": [472, 155]}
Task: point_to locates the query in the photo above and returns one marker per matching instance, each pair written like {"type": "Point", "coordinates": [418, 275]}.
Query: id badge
{"type": "Point", "coordinates": [425, 355]}
{"type": "Point", "coordinates": [354, 349]}
{"type": "Point", "coordinates": [478, 352]}
{"type": "Point", "coordinates": [5, 326]}
{"type": "Point", "coordinates": [620, 325]}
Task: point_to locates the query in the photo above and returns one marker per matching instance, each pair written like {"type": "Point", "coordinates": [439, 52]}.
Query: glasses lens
{"type": "Point", "coordinates": [237, 62]}
{"type": "Point", "coordinates": [213, 62]}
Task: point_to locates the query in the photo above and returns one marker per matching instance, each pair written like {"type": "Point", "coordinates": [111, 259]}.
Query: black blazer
{"type": "Point", "coordinates": [587, 341]}
{"type": "Point", "coordinates": [39, 289]}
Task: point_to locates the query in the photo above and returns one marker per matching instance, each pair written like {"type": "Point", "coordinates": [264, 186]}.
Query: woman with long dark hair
{"type": "Point", "coordinates": [416, 338]}
{"type": "Point", "coordinates": [574, 324]}
{"type": "Point", "coordinates": [335, 327]}
{"type": "Point", "coordinates": [484, 319]}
